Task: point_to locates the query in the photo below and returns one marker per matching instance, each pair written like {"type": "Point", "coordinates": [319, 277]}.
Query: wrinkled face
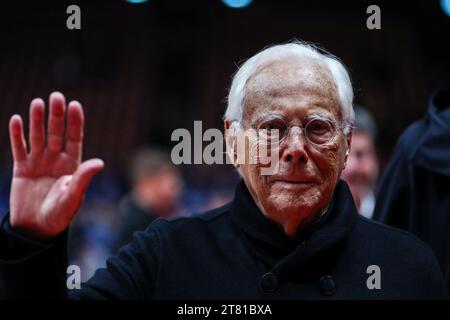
{"type": "Point", "coordinates": [361, 171]}
{"type": "Point", "coordinates": [297, 91]}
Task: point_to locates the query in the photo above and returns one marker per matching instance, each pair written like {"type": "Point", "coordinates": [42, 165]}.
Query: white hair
{"type": "Point", "coordinates": [300, 49]}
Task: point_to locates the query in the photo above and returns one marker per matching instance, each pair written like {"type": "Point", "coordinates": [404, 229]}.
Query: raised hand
{"type": "Point", "coordinates": [49, 181]}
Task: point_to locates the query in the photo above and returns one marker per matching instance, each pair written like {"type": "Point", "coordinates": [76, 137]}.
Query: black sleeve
{"type": "Point", "coordinates": [31, 269]}
{"type": "Point", "coordinates": [431, 276]}
{"type": "Point", "coordinates": [36, 270]}
{"type": "Point", "coordinates": [393, 192]}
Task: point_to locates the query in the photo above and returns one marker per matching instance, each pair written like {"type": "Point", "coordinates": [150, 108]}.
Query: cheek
{"type": "Point", "coordinates": [253, 154]}
{"type": "Point", "coordinates": [256, 182]}
{"type": "Point", "coordinates": [330, 161]}
{"type": "Point", "coordinates": [257, 157]}
{"type": "Point", "coordinates": [247, 148]}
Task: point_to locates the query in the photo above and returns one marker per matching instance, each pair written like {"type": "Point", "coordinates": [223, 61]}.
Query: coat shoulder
{"type": "Point", "coordinates": [196, 222]}
{"type": "Point", "coordinates": [383, 232]}
{"type": "Point", "coordinates": [396, 243]}
{"type": "Point", "coordinates": [410, 139]}
{"type": "Point", "coordinates": [403, 255]}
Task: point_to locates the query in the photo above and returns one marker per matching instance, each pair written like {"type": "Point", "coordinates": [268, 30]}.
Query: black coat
{"type": "Point", "coordinates": [234, 252]}
{"type": "Point", "coordinates": [132, 218]}
{"type": "Point", "coordinates": [414, 191]}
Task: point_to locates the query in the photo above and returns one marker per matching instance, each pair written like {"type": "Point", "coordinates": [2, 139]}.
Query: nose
{"type": "Point", "coordinates": [294, 150]}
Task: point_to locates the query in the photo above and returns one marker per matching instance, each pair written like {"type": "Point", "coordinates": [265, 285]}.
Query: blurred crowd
{"type": "Point", "coordinates": [117, 206]}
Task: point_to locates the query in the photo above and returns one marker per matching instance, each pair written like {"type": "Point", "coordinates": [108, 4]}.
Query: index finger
{"type": "Point", "coordinates": [17, 138]}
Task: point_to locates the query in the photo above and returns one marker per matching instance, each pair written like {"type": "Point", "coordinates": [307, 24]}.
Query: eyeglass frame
{"type": "Point", "coordinates": [289, 127]}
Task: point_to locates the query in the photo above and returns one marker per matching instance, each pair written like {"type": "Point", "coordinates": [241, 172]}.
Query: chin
{"type": "Point", "coordinates": [291, 199]}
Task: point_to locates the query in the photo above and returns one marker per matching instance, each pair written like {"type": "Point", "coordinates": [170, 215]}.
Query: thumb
{"type": "Point", "coordinates": [83, 176]}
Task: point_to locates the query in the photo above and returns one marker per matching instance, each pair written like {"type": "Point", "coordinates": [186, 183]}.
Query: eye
{"type": "Point", "coordinates": [319, 126]}
{"type": "Point", "coordinates": [271, 129]}
{"type": "Point", "coordinates": [320, 131]}
{"type": "Point", "coordinates": [274, 124]}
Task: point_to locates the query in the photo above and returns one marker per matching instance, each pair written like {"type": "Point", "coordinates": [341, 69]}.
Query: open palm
{"type": "Point", "coordinates": [49, 181]}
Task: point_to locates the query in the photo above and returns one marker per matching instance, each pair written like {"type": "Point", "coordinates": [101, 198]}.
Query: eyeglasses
{"type": "Point", "coordinates": [319, 130]}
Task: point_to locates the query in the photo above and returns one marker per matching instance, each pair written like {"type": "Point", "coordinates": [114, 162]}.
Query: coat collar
{"type": "Point", "coordinates": [335, 226]}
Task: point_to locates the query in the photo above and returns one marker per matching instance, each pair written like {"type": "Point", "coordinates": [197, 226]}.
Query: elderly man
{"type": "Point", "coordinates": [293, 234]}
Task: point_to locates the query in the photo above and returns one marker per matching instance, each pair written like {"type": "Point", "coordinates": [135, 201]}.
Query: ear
{"type": "Point", "coordinates": [230, 141]}
{"type": "Point", "coordinates": [348, 140]}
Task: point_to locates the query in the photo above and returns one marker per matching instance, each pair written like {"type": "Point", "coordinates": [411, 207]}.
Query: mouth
{"type": "Point", "coordinates": [294, 183]}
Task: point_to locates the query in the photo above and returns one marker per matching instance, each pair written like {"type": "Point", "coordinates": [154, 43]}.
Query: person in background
{"type": "Point", "coordinates": [414, 191]}
{"type": "Point", "coordinates": [156, 189]}
{"type": "Point", "coordinates": [361, 172]}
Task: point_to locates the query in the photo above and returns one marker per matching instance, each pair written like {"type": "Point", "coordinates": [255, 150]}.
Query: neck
{"type": "Point", "coordinates": [293, 224]}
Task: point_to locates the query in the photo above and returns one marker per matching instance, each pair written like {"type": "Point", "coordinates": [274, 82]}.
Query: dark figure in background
{"type": "Point", "coordinates": [156, 188]}
{"type": "Point", "coordinates": [361, 172]}
{"type": "Point", "coordinates": [414, 191]}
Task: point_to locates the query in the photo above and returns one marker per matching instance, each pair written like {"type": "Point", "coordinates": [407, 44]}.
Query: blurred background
{"type": "Point", "coordinates": [144, 68]}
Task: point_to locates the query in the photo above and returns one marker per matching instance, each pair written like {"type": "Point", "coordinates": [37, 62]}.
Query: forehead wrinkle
{"type": "Point", "coordinates": [274, 84]}
{"type": "Point", "coordinates": [287, 76]}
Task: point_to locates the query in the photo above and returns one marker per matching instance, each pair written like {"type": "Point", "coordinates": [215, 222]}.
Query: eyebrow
{"type": "Point", "coordinates": [316, 115]}
{"type": "Point", "coordinates": [320, 115]}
